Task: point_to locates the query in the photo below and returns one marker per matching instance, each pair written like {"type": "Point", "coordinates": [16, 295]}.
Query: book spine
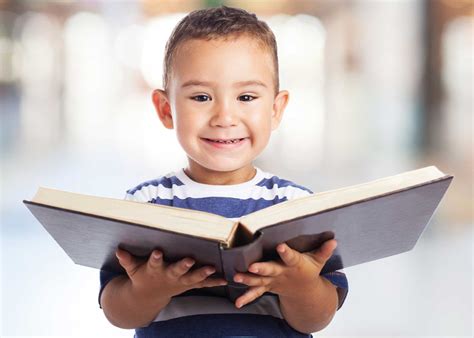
{"type": "Point", "coordinates": [229, 293]}
{"type": "Point", "coordinates": [238, 259]}
{"type": "Point", "coordinates": [232, 289]}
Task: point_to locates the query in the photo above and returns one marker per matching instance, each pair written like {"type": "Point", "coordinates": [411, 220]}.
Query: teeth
{"type": "Point", "coordinates": [226, 142]}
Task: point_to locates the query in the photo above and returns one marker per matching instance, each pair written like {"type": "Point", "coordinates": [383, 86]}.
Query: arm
{"type": "Point", "coordinates": [126, 309]}
{"type": "Point", "coordinates": [308, 301]}
{"type": "Point", "coordinates": [311, 310]}
{"type": "Point", "coordinates": [134, 300]}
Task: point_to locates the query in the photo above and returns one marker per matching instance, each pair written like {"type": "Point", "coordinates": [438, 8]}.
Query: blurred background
{"type": "Point", "coordinates": [377, 88]}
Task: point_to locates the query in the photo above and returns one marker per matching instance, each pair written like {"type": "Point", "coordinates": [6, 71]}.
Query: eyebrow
{"type": "Point", "coordinates": [237, 84]}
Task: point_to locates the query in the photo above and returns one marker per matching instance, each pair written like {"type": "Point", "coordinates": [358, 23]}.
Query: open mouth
{"type": "Point", "coordinates": [230, 141]}
{"type": "Point", "coordinates": [225, 144]}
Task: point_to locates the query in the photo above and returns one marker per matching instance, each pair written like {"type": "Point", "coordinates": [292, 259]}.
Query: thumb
{"type": "Point", "coordinates": [127, 261]}
{"type": "Point", "coordinates": [324, 252]}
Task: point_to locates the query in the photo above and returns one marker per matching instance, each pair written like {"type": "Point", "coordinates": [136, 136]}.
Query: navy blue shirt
{"type": "Point", "coordinates": [200, 315]}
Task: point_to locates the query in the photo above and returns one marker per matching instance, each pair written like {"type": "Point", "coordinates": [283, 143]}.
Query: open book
{"type": "Point", "coordinates": [370, 221]}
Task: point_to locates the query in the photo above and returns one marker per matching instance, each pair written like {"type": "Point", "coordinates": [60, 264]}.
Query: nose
{"type": "Point", "coordinates": [224, 115]}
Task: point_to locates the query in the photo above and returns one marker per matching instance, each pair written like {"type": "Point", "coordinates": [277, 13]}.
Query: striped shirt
{"type": "Point", "coordinates": [193, 311]}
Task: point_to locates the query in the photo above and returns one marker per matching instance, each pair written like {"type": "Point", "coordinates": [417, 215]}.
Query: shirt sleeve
{"type": "Point", "coordinates": [338, 279]}
{"type": "Point", "coordinates": [105, 278]}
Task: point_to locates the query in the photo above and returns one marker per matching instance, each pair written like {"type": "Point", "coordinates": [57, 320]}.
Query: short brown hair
{"type": "Point", "coordinates": [215, 23]}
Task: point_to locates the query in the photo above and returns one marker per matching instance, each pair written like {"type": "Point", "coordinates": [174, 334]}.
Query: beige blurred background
{"type": "Point", "coordinates": [377, 88]}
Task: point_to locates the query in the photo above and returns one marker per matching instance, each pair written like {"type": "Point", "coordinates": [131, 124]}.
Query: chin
{"type": "Point", "coordinates": [216, 164]}
{"type": "Point", "coordinates": [223, 168]}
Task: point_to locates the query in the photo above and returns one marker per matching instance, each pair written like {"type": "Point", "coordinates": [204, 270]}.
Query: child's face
{"type": "Point", "coordinates": [209, 100]}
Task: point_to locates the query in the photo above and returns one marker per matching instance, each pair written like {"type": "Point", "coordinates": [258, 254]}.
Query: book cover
{"type": "Point", "coordinates": [367, 229]}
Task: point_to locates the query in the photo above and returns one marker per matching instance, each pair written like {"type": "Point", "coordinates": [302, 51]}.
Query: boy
{"type": "Point", "coordinates": [221, 94]}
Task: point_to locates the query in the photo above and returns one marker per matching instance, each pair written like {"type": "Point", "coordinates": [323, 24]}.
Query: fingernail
{"type": "Point", "coordinates": [156, 255]}
{"type": "Point", "coordinates": [210, 271]}
{"type": "Point", "coordinates": [189, 263]}
{"type": "Point", "coordinates": [238, 279]}
{"type": "Point", "coordinates": [253, 269]}
{"type": "Point", "coordinates": [281, 249]}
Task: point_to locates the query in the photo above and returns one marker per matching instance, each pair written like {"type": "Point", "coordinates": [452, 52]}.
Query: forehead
{"type": "Point", "coordinates": [229, 59]}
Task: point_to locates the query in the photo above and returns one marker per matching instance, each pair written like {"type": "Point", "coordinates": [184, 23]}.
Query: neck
{"type": "Point", "coordinates": [207, 176]}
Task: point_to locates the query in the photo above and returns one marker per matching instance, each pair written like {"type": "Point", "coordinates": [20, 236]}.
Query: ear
{"type": "Point", "coordinates": [279, 105]}
{"type": "Point", "coordinates": [163, 108]}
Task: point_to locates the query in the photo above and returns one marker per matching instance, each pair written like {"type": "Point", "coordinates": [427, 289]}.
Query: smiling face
{"type": "Point", "coordinates": [221, 101]}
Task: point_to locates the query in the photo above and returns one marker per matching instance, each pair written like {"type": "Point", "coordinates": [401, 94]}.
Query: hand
{"type": "Point", "coordinates": [295, 273]}
{"type": "Point", "coordinates": [156, 278]}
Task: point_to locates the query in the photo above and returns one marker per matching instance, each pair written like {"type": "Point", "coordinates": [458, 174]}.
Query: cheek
{"type": "Point", "coordinates": [186, 129]}
{"type": "Point", "coordinates": [183, 125]}
{"type": "Point", "coordinates": [187, 120]}
{"type": "Point", "coordinates": [261, 122]}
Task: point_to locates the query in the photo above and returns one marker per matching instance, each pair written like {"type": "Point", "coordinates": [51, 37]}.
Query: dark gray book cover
{"type": "Point", "coordinates": [366, 230]}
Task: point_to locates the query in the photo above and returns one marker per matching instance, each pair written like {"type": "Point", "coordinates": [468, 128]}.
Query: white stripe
{"type": "Point", "coordinates": [184, 191]}
{"type": "Point", "coordinates": [199, 305]}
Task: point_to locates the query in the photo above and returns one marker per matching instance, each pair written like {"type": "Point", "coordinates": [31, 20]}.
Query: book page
{"type": "Point", "coordinates": [180, 220]}
{"type": "Point", "coordinates": [329, 199]}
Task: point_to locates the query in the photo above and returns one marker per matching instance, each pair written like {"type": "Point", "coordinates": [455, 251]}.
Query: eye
{"type": "Point", "coordinates": [247, 98]}
{"type": "Point", "coordinates": [201, 98]}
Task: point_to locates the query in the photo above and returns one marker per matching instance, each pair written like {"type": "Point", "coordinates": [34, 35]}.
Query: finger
{"type": "Point", "coordinates": [324, 252]}
{"type": "Point", "coordinates": [197, 276]}
{"type": "Point", "coordinates": [155, 260]}
{"type": "Point", "coordinates": [252, 280]}
{"type": "Point", "coordinates": [179, 268]}
{"type": "Point", "coordinates": [211, 282]}
{"type": "Point", "coordinates": [266, 268]}
{"type": "Point", "coordinates": [252, 294]}
{"type": "Point", "coordinates": [289, 256]}
{"type": "Point", "coordinates": [127, 261]}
